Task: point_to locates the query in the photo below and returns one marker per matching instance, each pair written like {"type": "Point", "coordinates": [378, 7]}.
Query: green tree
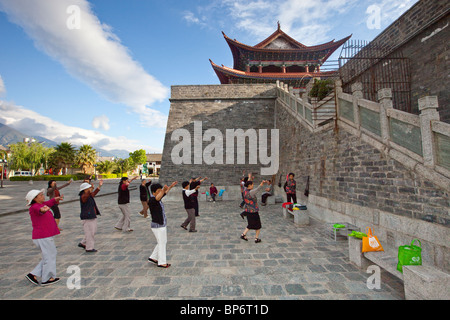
{"type": "Point", "coordinates": [64, 156]}
{"type": "Point", "coordinates": [123, 165]}
{"type": "Point", "coordinates": [19, 154]}
{"type": "Point", "coordinates": [85, 157]}
{"type": "Point", "coordinates": [105, 166]}
{"type": "Point", "coordinates": [138, 157]}
{"type": "Point", "coordinates": [31, 156]}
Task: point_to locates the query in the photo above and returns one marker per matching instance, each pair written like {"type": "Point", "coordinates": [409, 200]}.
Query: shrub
{"type": "Point", "coordinates": [321, 88]}
{"type": "Point", "coordinates": [49, 177]}
{"type": "Point", "coordinates": [111, 176]}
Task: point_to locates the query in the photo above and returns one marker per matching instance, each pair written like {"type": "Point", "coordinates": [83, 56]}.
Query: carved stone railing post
{"type": "Point", "coordinates": [428, 113]}
{"type": "Point", "coordinates": [385, 101]}
{"type": "Point", "coordinates": [357, 94]}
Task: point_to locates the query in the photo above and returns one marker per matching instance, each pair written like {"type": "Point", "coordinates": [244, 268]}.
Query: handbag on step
{"type": "Point", "coordinates": [371, 242]}
{"type": "Point", "coordinates": [409, 255]}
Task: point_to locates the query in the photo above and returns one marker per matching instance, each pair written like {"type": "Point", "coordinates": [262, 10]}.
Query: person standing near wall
{"type": "Point", "coordinates": [44, 229]}
{"type": "Point", "coordinates": [124, 205]}
{"type": "Point", "coordinates": [88, 215]}
{"type": "Point", "coordinates": [52, 192]}
{"type": "Point", "coordinates": [290, 188]}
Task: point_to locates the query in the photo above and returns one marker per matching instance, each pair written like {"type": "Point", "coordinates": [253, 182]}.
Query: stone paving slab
{"type": "Point", "coordinates": [290, 263]}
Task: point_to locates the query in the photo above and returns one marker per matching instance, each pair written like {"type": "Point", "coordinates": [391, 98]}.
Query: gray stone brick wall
{"type": "Point", "coordinates": [341, 167]}
{"type": "Point", "coordinates": [217, 107]}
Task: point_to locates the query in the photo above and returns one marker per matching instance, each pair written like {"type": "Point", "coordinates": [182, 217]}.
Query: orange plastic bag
{"type": "Point", "coordinates": [371, 242]}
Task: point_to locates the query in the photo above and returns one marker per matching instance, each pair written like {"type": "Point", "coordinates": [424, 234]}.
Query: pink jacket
{"type": "Point", "coordinates": [44, 224]}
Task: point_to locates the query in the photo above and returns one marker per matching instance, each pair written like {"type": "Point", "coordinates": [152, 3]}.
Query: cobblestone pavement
{"type": "Point", "coordinates": [290, 263]}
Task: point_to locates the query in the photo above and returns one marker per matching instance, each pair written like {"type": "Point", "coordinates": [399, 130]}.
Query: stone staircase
{"type": "Point", "coordinates": [324, 110]}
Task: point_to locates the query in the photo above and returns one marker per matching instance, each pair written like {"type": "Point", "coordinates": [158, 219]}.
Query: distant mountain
{"type": "Point", "coordinates": [9, 135]}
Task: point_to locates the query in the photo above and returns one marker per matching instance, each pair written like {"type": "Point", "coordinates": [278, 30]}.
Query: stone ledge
{"type": "Point", "coordinates": [426, 283]}
{"type": "Point", "coordinates": [392, 230]}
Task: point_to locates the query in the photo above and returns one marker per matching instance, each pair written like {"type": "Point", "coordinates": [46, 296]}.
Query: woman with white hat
{"type": "Point", "coordinates": [44, 229]}
{"type": "Point", "coordinates": [88, 215]}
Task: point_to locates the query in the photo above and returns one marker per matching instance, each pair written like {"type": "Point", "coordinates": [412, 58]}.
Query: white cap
{"type": "Point", "coordinates": [85, 186]}
{"type": "Point", "coordinates": [32, 194]}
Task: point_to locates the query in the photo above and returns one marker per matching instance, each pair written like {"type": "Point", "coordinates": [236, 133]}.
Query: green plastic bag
{"type": "Point", "coordinates": [409, 255]}
{"type": "Point", "coordinates": [357, 234]}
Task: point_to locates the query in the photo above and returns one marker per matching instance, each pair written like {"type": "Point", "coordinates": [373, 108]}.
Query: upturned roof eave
{"type": "Point", "coordinates": [328, 45]}
{"type": "Point", "coordinates": [220, 71]}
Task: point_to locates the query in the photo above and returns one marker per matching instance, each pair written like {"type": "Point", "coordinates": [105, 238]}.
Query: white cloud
{"type": "Point", "coordinates": [30, 122]}
{"type": "Point", "coordinates": [93, 54]}
{"type": "Point", "coordinates": [310, 22]}
{"type": "Point", "coordinates": [101, 122]}
{"type": "Point", "coordinates": [393, 9]}
{"type": "Point", "coordinates": [191, 18]}
{"type": "Point", "coordinates": [307, 21]}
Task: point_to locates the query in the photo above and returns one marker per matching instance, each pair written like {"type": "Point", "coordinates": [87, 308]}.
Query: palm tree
{"type": "Point", "coordinates": [105, 166]}
{"type": "Point", "coordinates": [64, 155]}
{"type": "Point", "coordinates": [123, 165]}
{"type": "Point", "coordinates": [85, 157]}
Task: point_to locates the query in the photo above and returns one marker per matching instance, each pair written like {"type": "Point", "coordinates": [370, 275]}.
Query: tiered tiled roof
{"type": "Point", "coordinates": [229, 75]}
{"type": "Point", "coordinates": [280, 51]}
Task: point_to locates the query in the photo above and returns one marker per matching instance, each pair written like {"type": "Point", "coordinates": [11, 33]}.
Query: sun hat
{"type": "Point", "coordinates": [32, 194]}
{"type": "Point", "coordinates": [85, 186]}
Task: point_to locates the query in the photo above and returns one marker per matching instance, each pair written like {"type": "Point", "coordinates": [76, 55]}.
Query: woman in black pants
{"type": "Point", "coordinates": [251, 208]}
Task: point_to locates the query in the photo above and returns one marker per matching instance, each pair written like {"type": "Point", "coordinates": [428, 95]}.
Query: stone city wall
{"type": "Point", "coordinates": [219, 107]}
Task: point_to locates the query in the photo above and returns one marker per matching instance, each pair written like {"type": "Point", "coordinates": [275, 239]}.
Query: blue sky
{"type": "Point", "coordinates": [108, 83]}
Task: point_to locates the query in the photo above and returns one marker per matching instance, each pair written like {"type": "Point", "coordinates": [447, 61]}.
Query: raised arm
{"type": "Point", "coordinates": [65, 185]}
{"type": "Point", "coordinates": [255, 190]}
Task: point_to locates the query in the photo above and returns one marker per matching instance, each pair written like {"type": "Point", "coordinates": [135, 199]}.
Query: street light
{"type": "Point", "coordinates": [4, 164]}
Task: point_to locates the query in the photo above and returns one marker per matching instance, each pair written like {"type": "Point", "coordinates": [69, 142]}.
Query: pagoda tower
{"type": "Point", "coordinates": [279, 57]}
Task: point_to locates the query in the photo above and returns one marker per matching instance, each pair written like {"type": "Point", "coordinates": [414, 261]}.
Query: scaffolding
{"type": "Point", "coordinates": [376, 67]}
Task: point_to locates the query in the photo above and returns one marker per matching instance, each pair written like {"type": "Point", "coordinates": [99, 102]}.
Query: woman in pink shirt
{"type": "Point", "coordinates": [44, 229]}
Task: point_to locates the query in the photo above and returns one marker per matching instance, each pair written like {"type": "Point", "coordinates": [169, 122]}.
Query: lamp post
{"type": "Point", "coordinates": [4, 163]}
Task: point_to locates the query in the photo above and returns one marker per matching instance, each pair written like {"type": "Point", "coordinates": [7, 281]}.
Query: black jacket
{"type": "Point", "coordinates": [156, 210]}
{"type": "Point", "coordinates": [89, 209]}
{"type": "Point", "coordinates": [124, 195]}
{"type": "Point", "coordinates": [188, 201]}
